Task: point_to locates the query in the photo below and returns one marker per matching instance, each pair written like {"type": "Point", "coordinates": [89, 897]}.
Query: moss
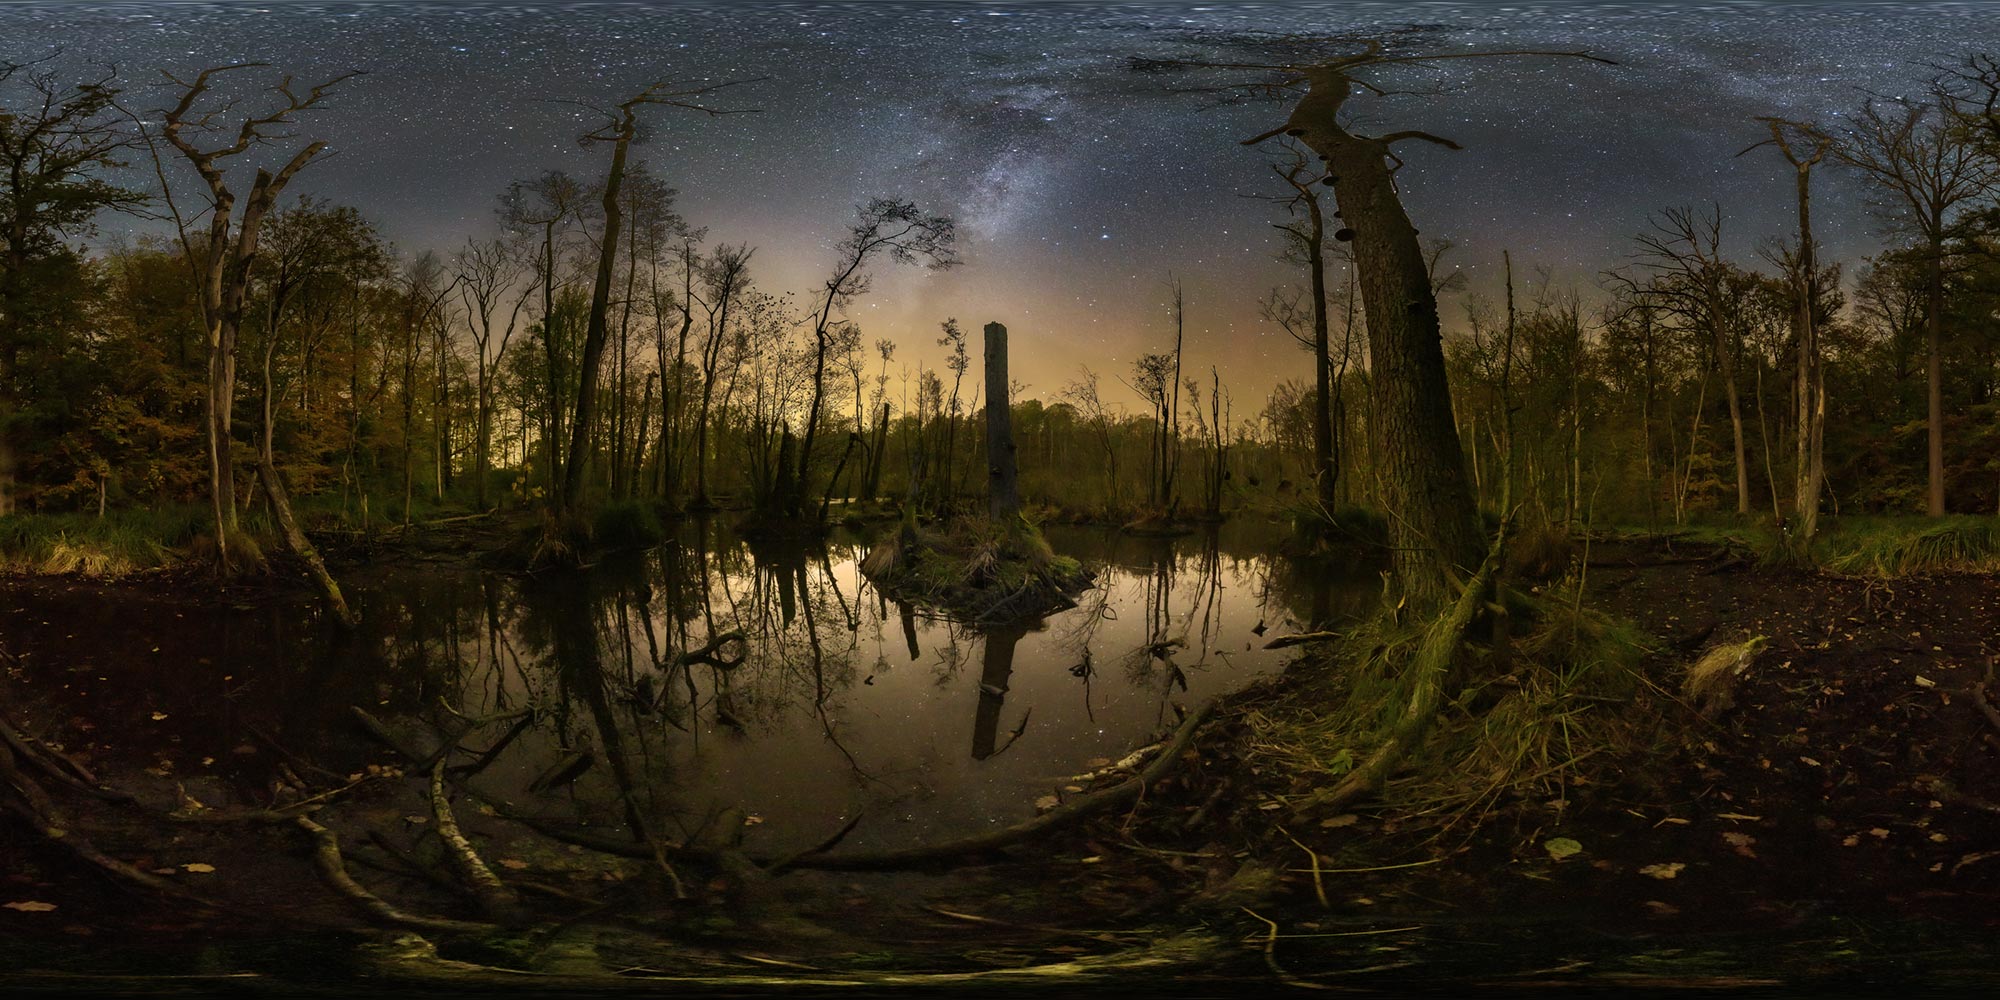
{"type": "Point", "coordinates": [1541, 694]}
{"type": "Point", "coordinates": [977, 569]}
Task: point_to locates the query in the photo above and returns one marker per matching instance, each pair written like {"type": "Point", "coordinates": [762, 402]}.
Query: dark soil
{"type": "Point", "coordinates": [1831, 832]}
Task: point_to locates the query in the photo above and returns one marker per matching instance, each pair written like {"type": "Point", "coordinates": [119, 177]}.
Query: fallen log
{"type": "Point", "coordinates": [326, 855]}
{"type": "Point", "coordinates": [914, 857]}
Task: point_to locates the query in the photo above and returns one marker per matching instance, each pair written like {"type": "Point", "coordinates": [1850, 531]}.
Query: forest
{"type": "Point", "coordinates": [575, 606]}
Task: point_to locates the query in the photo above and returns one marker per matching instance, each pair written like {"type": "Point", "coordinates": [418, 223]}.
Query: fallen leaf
{"type": "Point", "coordinates": [1668, 870]}
{"type": "Point", "coordinates": [1561, 847]}
{"type": "Point", "coordinates": [31, 906]}
{"type": "Point", "coordinates": [1344, 819]}
{"type": "Point", "coordinates": [1740, 843]}
{"type": "Point", "coordinates": [516, 864]}
{"type": "Point", "coordinates": [1661, 909]}
{"type": "Point", "coordinates": [1809, 762]}
{"type": "Point", "coordinates": [1047, 803]}
{"type": "Point", "coordinates": [198, 868]}
{"type": "Point", "coordinates": [752, 820]}
{"type": "Point", "coordinates": [1925, 682]}
{"type": "Point", "coordinates": [159, 716]}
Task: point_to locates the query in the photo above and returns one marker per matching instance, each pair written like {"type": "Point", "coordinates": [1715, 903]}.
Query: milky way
{"type": "Point", "coordinates": [1079, 185]}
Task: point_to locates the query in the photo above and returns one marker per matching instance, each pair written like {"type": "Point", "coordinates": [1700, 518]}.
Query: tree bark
{"type": "Point", "coordinates": [595, 333]}
{"type": "Point", "coordinates": [1435, 524]}
{"type": "Point", "coordinates": [1003, 484]}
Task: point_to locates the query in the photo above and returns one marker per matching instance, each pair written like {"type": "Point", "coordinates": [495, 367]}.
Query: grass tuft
{"type": "Point", "coordinates": [1902, 548]}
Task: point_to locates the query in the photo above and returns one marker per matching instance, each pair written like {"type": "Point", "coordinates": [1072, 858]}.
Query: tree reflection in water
{"type": "Point", "coordinates": [643, 721]}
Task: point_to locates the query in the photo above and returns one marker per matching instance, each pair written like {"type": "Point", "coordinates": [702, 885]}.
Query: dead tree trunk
{"type": "Point", "coordinates": [1435, 525]}
{"type": "Point", "coordinates": [1003, 485]}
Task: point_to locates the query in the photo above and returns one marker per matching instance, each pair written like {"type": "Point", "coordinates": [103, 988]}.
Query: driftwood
{"type": "Point", "coordinates": [1300, 639]}
{"type": "Point", "coordinates": [59, 765]}
{"type": "Point", "coordinates": [1070, 812]}
{"type": "Point", "coordinates": [915, 857]}
{"type": "Point", "coordinates": [31, 803]}
{"type": "Point", "coordinates": [326, 854]}
{"type": "Point", "coordinates": [496, 900]}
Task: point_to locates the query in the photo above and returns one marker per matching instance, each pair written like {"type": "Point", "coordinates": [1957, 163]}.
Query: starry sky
{"type": "Point", "coordinates": [1078, 186]}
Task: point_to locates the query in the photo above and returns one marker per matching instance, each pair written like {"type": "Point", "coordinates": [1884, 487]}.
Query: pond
{"type": "Point", "coordinates": [842, 705]}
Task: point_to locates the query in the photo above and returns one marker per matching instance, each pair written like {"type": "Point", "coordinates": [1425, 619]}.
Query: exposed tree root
{"type": "Point", "coordinates": [326, 855]}
{"type": "Point", "coordinates": [1427, 673]}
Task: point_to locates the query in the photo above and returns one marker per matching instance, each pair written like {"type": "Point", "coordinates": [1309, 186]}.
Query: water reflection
{"type": "Point", "coordinates": [710, 674]}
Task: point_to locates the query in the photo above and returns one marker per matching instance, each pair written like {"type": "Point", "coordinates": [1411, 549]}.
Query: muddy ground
{"type": "Point", "coordinates": [1834, 831]}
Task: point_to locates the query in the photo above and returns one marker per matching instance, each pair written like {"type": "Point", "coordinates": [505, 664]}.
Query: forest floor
{"type": "Point", "coordinates": [1834, 831]}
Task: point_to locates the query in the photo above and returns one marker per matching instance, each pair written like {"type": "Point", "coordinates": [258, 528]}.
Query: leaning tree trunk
{"type": "Point", "coordinates": [1003, 481]}
{"type": "Point", "coordinates": [1435, 524]}
{"type": "Point", "coordinates": [596, 332]}
{"type": "Point", "coordinates": [288, 526]}
{"type": "Point", "coordinates": [1326, 473]}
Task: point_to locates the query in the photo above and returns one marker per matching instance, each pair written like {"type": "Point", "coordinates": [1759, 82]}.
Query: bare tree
{"type": "Point", "coordinates": [1804, 146]}
{"type": "Point", "coordinates": [724, 277]}
{"type": "Point", "coordinates": [53, 140]}
{"type": "Point", "coordinates": [549, 203]}
{"type": "Point", "coordinates": [905, 234]}
{"type": "Point", "coordinates": [224, 261]}
{"type": "Point", "coordinates": [1437, 533]}
{"type": "Point", "coordinates": [487, 273]}
{"type": "Point", "coordinates": [1926, 171]}
{"type": "Point", "coordinates": [1683, 253]}
{"type": "Point", "coordinates": [622, 128]}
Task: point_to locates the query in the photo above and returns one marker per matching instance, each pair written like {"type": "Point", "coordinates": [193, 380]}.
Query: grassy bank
{"type": "Point", "coordinates": [120, 542]}
{"type": "Point", "coordinates": [1881, 547]}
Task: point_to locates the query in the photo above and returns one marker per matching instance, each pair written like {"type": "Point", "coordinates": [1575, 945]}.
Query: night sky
{"type": "Point", "coordinates": [1079, 185]}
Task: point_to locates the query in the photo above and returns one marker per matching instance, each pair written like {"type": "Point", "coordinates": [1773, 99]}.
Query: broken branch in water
{"type": "Point", "coordinates": [1300, 639]}
{"type": "Point", "coordinates": [496, 900]}
{"type": "Point", "coordinates": [326, 854]}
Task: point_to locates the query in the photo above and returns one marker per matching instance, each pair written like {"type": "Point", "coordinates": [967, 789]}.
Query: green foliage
{"type": "Point", "coordinates": [1892, 548]}
{"type": "Point", "coordinates": [977, 569]}
{"type": "Point", "coordinates": [121, 542]}
{"type": "Point", "coordinates": [1562, 688]}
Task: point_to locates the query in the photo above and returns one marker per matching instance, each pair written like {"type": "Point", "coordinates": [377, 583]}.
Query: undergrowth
{"type": "Point", "coordinates": [121, 542]}
{"type": "Point", "coordinates": [1903, 548]}
{"type": "Point", "coordinates": [976, 568]}
{"type": "Point", "coordinates": [1538, 698]}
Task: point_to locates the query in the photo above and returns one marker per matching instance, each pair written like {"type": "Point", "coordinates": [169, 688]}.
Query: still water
{"type": "Point", "coordinates": [842, 703]}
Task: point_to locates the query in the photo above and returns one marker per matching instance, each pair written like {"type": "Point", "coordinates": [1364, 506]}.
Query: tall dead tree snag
{"type": "Point", "coordinates": [619, 131]}
{"type": "Point", "coordinates": [223, 264]}
{"type": "Point", "coordinates": [1804, 146]}
{"type": "Point", "coordinates": [1436, 530]}
{"type": "Point", "coordinates": [1003, 481]}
